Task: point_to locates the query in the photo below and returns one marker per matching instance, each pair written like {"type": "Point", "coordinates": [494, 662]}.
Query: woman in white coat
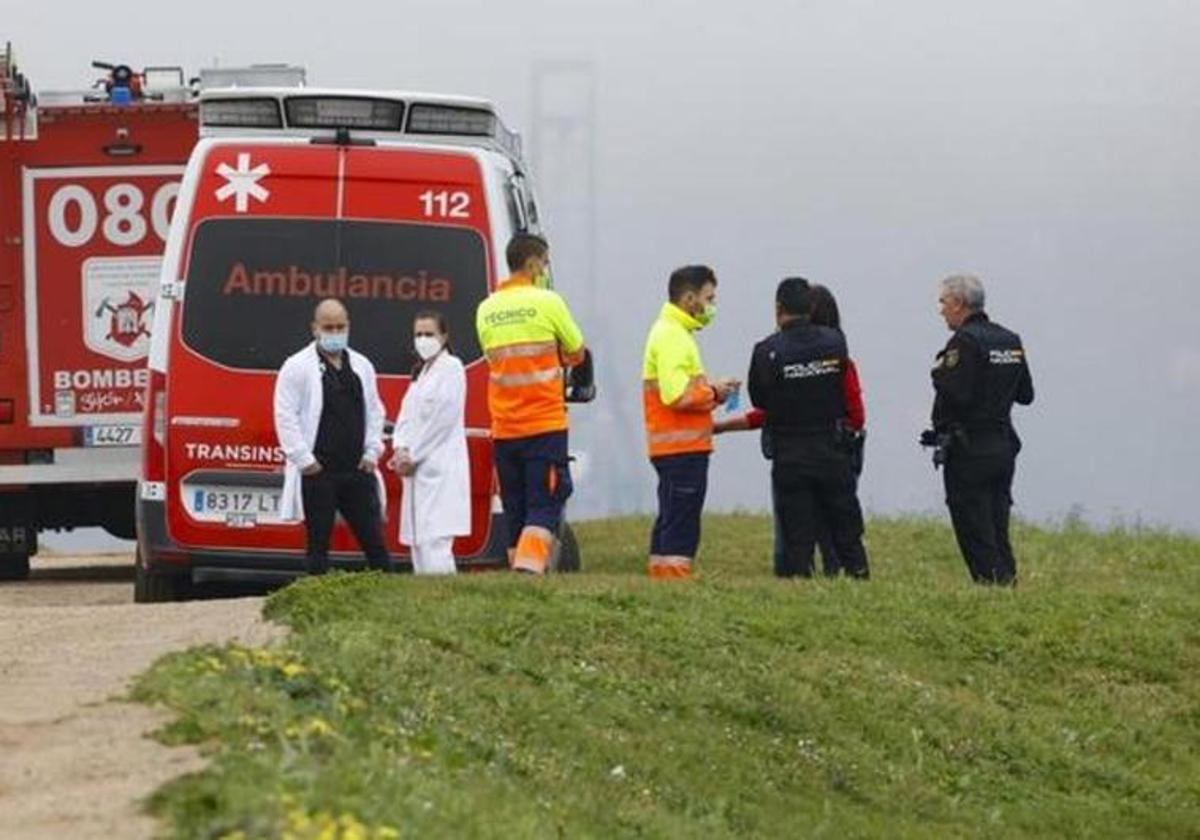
{"type": "Point", "coordinates": [430, 441]}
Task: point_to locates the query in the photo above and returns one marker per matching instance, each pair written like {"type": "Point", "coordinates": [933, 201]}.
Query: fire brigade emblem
{"type": "Point", "coordinates": [119, 306]}
{"type": "Point", "coordinates": [127, 320]}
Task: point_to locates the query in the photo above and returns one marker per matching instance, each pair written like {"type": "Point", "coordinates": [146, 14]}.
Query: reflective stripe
{"type": "Point", "coordinates": [680, 436]}
{"type": "Point", "coordinates": [670, 560]}
{"type": "Point", "coordinates": [670, 566]}
{"type": "Point", "coordinates": [518, 380]}
{"type": "Point", "coordinates": [680, 428]}
{"type": "Point", "coordinates": [523, 351]}
{"type": "Point", "coordinates": [533, 550]}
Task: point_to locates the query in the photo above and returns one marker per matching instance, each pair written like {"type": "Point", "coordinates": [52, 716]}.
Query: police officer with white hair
{"type": "Point", "coordinates": [977, 377]}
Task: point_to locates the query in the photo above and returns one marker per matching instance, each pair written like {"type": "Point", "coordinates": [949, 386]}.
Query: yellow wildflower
{"type": "Point", "coordinates": [292, 670]}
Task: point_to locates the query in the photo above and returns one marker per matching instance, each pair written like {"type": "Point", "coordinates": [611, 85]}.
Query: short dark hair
{"type": "Point", "coordinates": [689, 278]}
{"type": "Point", "coordinates": [824, 307]}
{"type": "Point", "coordinates": [523, 246]}
{"type": "Point", "coordinates": [793, 295]}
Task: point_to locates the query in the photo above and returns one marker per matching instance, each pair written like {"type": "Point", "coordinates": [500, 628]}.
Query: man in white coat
{"type": "Point", "coordinates": [329, 421]}
{"type": "Point", "coordinates": [430, 440]}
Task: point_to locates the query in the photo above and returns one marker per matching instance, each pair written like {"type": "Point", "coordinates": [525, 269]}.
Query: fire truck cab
{"type": "Point", "coordinates": [88, 180]}
{"type": "Point", "coordinates": [393, 203]}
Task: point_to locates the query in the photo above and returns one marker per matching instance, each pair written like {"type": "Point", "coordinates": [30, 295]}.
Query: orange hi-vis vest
{"type": "Point", "coordinates": [528, 335]}
{"type": "Point", "coordinates": [676, 397]}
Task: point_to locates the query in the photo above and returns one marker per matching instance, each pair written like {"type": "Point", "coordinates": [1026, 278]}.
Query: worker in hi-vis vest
{"type": "Point", "coordinates": [678, 400]}
{"type": "Point", "coordinates": [529, 336]}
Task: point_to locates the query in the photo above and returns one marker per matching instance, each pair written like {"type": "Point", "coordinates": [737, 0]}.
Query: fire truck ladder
{"type": "Point", "coordinates": [15, 96]}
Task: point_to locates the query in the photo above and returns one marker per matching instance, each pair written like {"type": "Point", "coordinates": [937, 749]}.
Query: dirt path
{"type": "Point", "coordinates": [74, 762]}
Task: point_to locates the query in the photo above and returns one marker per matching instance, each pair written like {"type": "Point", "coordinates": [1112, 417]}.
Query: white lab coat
{"type": "Point", "coordinates": [437, 497]}
{"type": "Point", "coordinates": [299, 397]}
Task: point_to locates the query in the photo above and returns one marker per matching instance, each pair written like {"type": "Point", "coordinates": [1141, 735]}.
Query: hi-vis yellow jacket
{"type": "Point", "coordinates": [676, 396]}
{"type": "Point", "coordinates": [528, 335]}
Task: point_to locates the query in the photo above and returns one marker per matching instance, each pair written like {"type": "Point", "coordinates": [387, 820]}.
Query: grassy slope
{"type": "Point", "coordinates": [735, 705]}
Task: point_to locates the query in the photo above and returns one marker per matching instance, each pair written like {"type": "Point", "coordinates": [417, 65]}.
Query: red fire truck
{"type": "Point", "coordinates": [88, 181]}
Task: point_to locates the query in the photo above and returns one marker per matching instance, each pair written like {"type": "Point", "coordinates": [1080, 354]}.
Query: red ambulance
{"type": "Point", "coordinates": [88, 180]}
{"type": "Point", "coordinates": [393, 203]}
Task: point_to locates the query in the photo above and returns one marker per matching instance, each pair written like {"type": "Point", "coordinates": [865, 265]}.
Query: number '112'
{"type": "Point", "coordinates": [445, 204]}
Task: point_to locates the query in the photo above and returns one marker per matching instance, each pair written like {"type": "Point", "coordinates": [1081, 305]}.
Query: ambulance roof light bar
{"type": "Point", "coordinates": [259, 112]}
{"type": "Point", "coordinates": [446, 119]}
{"type": "Point", "coordinates": [350, 112]}
{"type": "Point", "coordinates": [434, 118]}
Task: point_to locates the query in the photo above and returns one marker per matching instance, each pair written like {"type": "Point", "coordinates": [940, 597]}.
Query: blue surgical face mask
{"type": "Point", "coordinates": [333, 342]}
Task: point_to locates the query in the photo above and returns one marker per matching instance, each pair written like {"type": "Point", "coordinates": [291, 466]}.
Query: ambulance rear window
{"type": "Point", "coordinates": [252, 285]}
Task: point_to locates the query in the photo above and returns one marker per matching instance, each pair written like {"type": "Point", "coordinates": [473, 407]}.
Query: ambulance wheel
{"type": "Point", "coordinates": [567, 559]}
{"type": "Point", "coordinates": [14, 566]}
{"type": "Point", "coordinates": [153, 587]}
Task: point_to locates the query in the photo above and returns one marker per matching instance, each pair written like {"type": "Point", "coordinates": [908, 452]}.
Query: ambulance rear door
{"type": "Point", "coordinates": [426, 214]}
{"type": "Point", "coordinates": [255, 225]}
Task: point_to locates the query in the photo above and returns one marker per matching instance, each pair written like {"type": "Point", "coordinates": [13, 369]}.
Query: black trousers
{"type": "Point", "coordinates": [830, 564]}
{"type": "Point", "coordinates": [979, 496]}
{"type": "Point", "coordinates": [810, 494]}
{"type": "Point", "coordinates": [355, 496]}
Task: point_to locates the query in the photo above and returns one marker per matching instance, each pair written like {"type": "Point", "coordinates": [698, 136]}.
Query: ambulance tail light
{"type": "Point", "coordinates": [8, 412]}
{"type": "Point", "coordinates": [160, 418]}
{"type": "Point", "coordinates": [154, 432]}
{"type": "Point", "coordinates": [448, 119]}
{"type": "Point", "coordinates": [356, 112]}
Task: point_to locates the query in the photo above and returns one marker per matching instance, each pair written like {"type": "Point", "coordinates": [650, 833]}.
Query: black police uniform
{"type": "Point", "coordinates": [797, 378]}
{"type": "Point", "coordinates": [977, 377]}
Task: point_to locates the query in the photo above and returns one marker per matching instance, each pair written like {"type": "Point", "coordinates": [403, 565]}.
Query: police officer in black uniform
{"type": "Point", "coordinates": [977, 377]}
{"type": "Point", "coordinates": [796, 377]}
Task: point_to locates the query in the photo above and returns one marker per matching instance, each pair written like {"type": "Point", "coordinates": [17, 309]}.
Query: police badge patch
{"type": "Point", "coordinates": [950, 360]}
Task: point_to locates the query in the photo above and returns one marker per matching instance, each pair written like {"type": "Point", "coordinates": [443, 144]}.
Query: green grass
{"type": "Point", "coordinates": [735, 705]}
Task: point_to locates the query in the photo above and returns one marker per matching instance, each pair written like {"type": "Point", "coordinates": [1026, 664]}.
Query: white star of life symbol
{"type": "Point", "coordinates": [242, 183]}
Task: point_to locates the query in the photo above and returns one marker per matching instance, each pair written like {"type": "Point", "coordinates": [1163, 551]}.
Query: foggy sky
{"type": "Point", "coordinates": [1050, 146]}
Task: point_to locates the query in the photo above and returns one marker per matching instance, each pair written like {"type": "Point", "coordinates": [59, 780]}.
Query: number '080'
{"type": "Point", "coordinates": [120, 215]}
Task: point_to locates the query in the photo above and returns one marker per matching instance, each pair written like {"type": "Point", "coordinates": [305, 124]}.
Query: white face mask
{"type": "Point", "coordinates": [427, 346]}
